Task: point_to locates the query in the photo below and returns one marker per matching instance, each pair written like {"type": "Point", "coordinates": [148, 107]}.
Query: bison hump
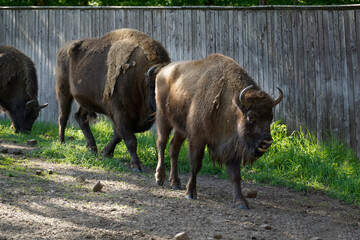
{"type": "Point", "coordinates": [117, 62]}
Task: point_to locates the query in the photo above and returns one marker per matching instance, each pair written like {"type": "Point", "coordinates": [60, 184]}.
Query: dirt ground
{"type": "Point", "coordinates": [62, 205]}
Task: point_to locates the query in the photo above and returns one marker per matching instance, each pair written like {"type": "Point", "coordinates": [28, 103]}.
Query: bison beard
{"type": "Point", "coordinates": [200, 100]}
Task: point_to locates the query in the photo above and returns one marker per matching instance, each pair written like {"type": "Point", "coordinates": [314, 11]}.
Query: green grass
{"type": "Point", "coordinates": [296, 161]}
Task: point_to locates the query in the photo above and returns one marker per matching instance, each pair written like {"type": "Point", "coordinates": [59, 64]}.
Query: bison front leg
{"type": "Point", "coordinates": [234, 173]}
{"type": "Point", "coordinates": [82, 119]}
{"type": "Point", "coordinates": [175, 146]}
{"type": "Point", "coordinates": [196, 153]}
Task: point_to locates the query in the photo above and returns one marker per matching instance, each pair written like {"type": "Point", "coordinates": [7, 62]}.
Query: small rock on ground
{"type": "Point", "coordinates": [181, 236]}
{"type": "Point", "coordinates": [251, 194]}
{"type": "Point", "coordinates": [266, 226]}
{"type": "Point", "coordinates": [98, 187]}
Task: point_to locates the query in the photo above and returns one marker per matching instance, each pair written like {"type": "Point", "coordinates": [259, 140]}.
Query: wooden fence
{"type": "Point", "coordinates": [310, 52]}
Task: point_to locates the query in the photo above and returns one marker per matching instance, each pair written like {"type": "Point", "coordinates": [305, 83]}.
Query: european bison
{"type": "Point", "coordinates": [108, 75]}
{"type": "Point", "coordinates": [19, 88]}
{"type": "Point", "coordinates": [200, 100]}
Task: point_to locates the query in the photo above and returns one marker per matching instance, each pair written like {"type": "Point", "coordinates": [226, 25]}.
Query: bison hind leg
{"type": "Point", "coordinates": [108, 151]}
{"type": "Point", "coordinates": [196, 153]}
{"type": "Point", "coordinates": [163, 132]}
{"type": "Point", "coordinates": [175, 146]}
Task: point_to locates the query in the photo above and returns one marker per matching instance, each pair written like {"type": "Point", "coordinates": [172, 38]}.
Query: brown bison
{"type": "Point", "coordinates": [200, 100]}
{"type": "Point", "coordinates": [19, 88]}
{"type": "Point", "coordinates": [108, 75]}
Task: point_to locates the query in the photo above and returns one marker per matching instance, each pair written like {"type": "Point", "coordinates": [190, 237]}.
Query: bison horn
{"type": "Point", "coordinates": [279, 98]}
{"type": "Point", "coordinates": [28, 103]}
{"type": "Point", "coordinates": [44, 105]}
{"type": "Point", "coordinates": [241, 97]}
{"type": "Point", "coordinates": [150, 71]}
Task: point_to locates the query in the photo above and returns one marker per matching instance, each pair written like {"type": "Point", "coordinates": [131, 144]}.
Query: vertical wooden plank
{"type": "Point", "coordinates": [329, 48]}
{"type": "Point", "coordinates": [307, 71]}
{"type": "Point", "coordinates": [42, 50]}
{"type": "Point", "coordinates": [338, 73]}
{"type": "Point", "coordinates": [7, 23]}
{"type": "Point", "coordinates": [230, 28]}
{"type": "Point", "coordinates": [199, 50]}
{"type": "Point", "coordinates": [310, 71]}
{"type": "Point", "coordinates": [210, 31]}
{"type": "Point", "coordinates": [170, 33]}
{"type": "Point", "coordinates": [241, 36]}
{"type": "Point", "coordinates": [246, 28]}
{"type": "Point", "coordinates": [188, 40]}
{"type": "Point", "coordinates": [148, 22]}
{"type": "Point", "coordinates": [278, 56]}
{"type": "Point", "coordinates": [251, 42]}
{"type": "Point", "coordinates": [235, 29]}
{"type": "Point", "coordinates": [52, 48]}
{"type": "Point", "coordinates": [140, 14]}
{"type": "Point", "coordinates": [317, 116]}
{"type": "Point", "coordinates": [357, 86]}
{"type": "Point", "coordinates": [157, 24]}
{"type": "Point", "coordinates": [284, 83]}
{"type": "Point", "coordinates": [262, 50]}
{"type": "Point", "coordinates": [2, 27]}
{"type": "Point", "coordinates": [319, 69]}
{"type": "Point", "coordinates": [348, 87]}
{"type": "Point", "coordinates": [271, 52]}
{"type": "Point", "coordinates": [118, 19]}
{"type": "Point", "coordinates": [223, 44]}
{"type": "Point", "coordinates": [179, 28]}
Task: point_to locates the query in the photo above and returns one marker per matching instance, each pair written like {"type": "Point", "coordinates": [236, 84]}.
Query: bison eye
{"type": "Point", "coordinates": [251, 118]}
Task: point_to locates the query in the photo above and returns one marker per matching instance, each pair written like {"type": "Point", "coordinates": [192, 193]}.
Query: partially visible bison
{"type": "Point", "coordinates": [19, 88]}
{"type": "Point", "coordinates": [200, 100]}
{"type": "Point", "coordinates": [108, 75]}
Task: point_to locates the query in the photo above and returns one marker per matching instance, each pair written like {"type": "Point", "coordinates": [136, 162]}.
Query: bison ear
{"type": "Point", "coordinates": [237, 103]}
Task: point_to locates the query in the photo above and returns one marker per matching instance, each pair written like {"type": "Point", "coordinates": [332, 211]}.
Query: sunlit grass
{"type": "Point", "coordinates": [296, 161]}
{"type": "Point", "coordinates": [300, 162]}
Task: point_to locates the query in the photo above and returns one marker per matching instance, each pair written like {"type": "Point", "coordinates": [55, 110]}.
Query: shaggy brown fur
{"type": "Point", "coordinates": [16, 65]}
{"type": "Point", "coordinates": [107, 75]}
{"type": "Point", "coordinates": [200, 101]}
{"type": "Point", "coordinates": [18, 86]}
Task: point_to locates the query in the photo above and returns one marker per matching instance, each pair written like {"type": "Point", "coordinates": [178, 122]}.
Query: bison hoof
{"type": "Point", "coordinates": [176, 187]}
{"type": "Point", "coordinates": [191, 196]}
{"type": "Point", "coordinates": [160, 182]}
{"type": "Point", "coordinates": [107, 154]}
{"type": "Point", "coordinates": [137, 169]}
{"type": "Point", "coordinates": [244, 207]}
{"type": "Point", "coordinates": [93, 150]}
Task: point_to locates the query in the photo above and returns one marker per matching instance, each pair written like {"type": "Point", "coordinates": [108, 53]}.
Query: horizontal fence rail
{"type": "Point", "coordinates": [310, 52]}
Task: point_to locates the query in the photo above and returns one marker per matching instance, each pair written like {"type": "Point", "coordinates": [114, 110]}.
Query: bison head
{"type": "Point", "coordinates": [255, 117]}
{"type": "Point", "coordinates": [24, 120]}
